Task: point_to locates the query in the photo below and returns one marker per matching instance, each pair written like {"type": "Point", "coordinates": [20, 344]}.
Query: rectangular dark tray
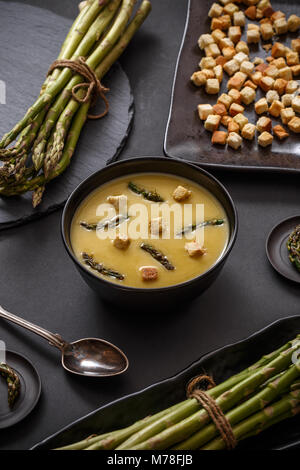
{"type": "Point", "coordinates": [221, 364]}
{"type": "Point", "coordinates": [186, 137]}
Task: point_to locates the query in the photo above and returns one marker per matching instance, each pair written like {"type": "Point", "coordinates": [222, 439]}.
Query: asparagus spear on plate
{"type": "Point", "coordinates": [293, 246]}
{"type": "Point", "coordinates": [13, 383]}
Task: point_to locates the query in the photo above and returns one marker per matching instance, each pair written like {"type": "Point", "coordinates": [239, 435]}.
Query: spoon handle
{"type": "Point", "coordinates": [53, 339]}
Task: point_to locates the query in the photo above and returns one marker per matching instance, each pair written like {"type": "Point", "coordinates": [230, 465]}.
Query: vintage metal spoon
{"type": "Point", "coordinates": [90, 357]}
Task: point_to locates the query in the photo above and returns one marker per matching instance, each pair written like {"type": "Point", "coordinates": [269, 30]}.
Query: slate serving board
{"type": "Point", "coordinates": [221, 364]}
{"type": "Point", "coordinates": [186, 136]}
{"type": "Point", "coordinates": [30, 39]}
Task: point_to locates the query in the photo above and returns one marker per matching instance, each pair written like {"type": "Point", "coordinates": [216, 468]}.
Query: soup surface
{"type": "Point", "coordinates": [94, 247]}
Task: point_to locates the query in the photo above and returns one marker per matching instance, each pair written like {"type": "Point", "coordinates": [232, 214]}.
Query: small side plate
{"type": "Point", "coordinates": [29, 393]}
{"type": "Point", "coordinates": [276, 248]}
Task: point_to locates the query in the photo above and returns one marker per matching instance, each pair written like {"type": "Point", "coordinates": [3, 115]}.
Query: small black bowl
{"type": "Point", "coordinates": [162, 296]}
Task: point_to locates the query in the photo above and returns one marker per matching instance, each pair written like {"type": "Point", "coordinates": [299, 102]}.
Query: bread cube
{"type": "Point", "coordinates": [237, 81]}
{"type": "Point", "coordinates": [241, 57]}
{"type": "Point", "coordinates": [266, 31]}
{"type": "Point", "coordinates": [225, 120]}
{"type": "Point", "coordinates": [296, 104]}
{"type": "Point", "coordinates": [261, 106]}
{"type": "Point", "coordinates": [219, 109]}
{"type": "Point", "coordinates": [221, 60]}
{"type": "Point", "coordinates": [212, 122]}
{"type": "Point", "coordinates": [275, 108]}
{"type": "Point", "coordinates": [230, 9]}
{"type": "Point", "coordinates": [234, 33]}
{"type": "Point", "coordinates": [225, 22]}
{"type": "Point", "coordinates": [121, 242]}
{"type": "Point", "coordinates": [279, 63]}
{"type": "Point", "coordinates": [228, 53]}
{"type": "Point", "coordinates": [215, 11]}
{"type": "Point", "coordinates": [234, 140]}
{"type": "Point", "coordinates": [248, 131]}
{"type": "Point", "coordinates": [149, 273]}
{"type": "Point", "coordinates": [250, 84]}
{"type": "Point", "coordinates": [266, 83]}
{"type": "Point", "coordinates": [235, 109]}
{"type": "Point", "coordinates": [225, 99]}
{"type": "Point", "coordinates": [205, 40]}
{"type": "Point", "coordinates": [212, 86]}
{"type": "Point", "coordinates": [204, 110]}
{"type": "Point", "coordinates": [198, 78]}
{"type": "Point", "coordinates": [295, 44]}
{"type": "Point", "coordinates": [280, 132]}
{"type": "Point", "coordinates": [271, 96]}
{"type": "Point", "coordinates": [235, 95]}
{"type": "Point", "coordinates": [207, 63]}
{"type": "Point", "coordinates": [287, 100]}
{"type": "Point", "coordinates": [118, 202]}
{"type": "Point", "coordinates": [292, 58]}
{"type": "Point", "coordinates": [287, 114]}
{"type": "Point", "coordinates": [285, 73]}
{"type": "Point", "coordinates": [225, 42]}
{"type": "Point", "coordinates": [241, 120]}
{"type": "Point", "coordinates": [212, 50]}
{"type": "Point", "coordinates": [218, 69]}
{"type": "Point", "coordinates": [256, 77]}
{"type": "Point", "coordinates": [247, 67]}
{"type": "Point", "coordinates": [294, 124]}
{"type": "Point", "coordinates": [261, 68]}
{"type": "Point", "coordinates": [293, 23]}
{"type": "Point", "coordinates": [271, 71]}
{"type": "Point", "coordinates": [194, 249]}
{"type": "Point", "coordinates": [218, 34]}
{"type": "Point", "coordinates": [281, 26]}
{"type": "Point", "coordinates": [264, 124]}
{"type": "Point", "coordinates": [242, 47]}
{"type": "Point", "coordinates": [225, 2]}
{"type": "Point", "coordinates": [208, 73]}
{"type": "Point", "coordinates": [292, 86]}
{"type": "Point", "coordinates": [265, 139]}
{"type": "Point", "coordinates": [277, 15]}
{"type": "Point", "coordinates": [231, 67]}
{"type": "Point", "coordinates": [180, 194]}
{"type": "Point", "coordinates": [219, 137]}
{"type": "Point", "coordinates": [239, 18]}
{"type": "Point", "coordinates": [233, 126]}
{"type": "Point", "coordinates": [156, 225]}
{"type": "Point", "coordinates": [248, 95]}
{"type": "Point", "coordinates": [251, 12]}
{"type": "Point", "coordinates": [253, 36]}
{"type": "Point", "coordinates": [295, 70]}
{"type": "Point", "coordinates": [280, 85]}
{"type": "Point", "coordinates": [257, 61]}
{"type": "Point", "coordinates": [278, 50]}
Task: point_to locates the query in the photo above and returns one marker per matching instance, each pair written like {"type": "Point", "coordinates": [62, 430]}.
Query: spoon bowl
{"type": "Point", "coordinates": [94, 358]}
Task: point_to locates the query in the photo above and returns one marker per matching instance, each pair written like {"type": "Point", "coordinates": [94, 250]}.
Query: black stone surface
{"type": "Point", "coordinates": [32, 44]}
{"type": "Point", "coordinates": [39, 282]}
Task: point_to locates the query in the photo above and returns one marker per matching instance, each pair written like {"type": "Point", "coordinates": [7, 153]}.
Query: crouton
{"type": "Point", "coordinates": [207, 63]}
{"type": "Point", "coordinates": [198, 78]}
{"type": "Point", "coordinates": [277, 15]}
{"type": "Point", "coordinates": [235, 95]}
{"type": "Point", "coordinates": [278, 50]}
{"type": "Point", "coordinates": [256, 77]}
{"type": "Point", "coordinates": [208, 73]}
{"type": "Point", "coordinates": [248, 95]}
{"type": "Point", "coordinates": [218, 70]}
{"type": "Point", "coordinates": [280, 132]}
{"type": "Point", "coordinates": [219, 137]}
{"type": "Point", "coordinates": [285, 73]}
{"type": "Point", "coordinates": [212, 122]}
{"type": "Point", "coordinates": [118, 202]}
{"type": "Point", "coordinates": [205, 40]}
{"type": "Point", "coordinates": [231, 67]}
{"type": "Point", "coordinates": [181, 193]}
{"type": "Point", "coordinates": [293, 23]}
{"type": "Point", "coordinates": [212, 86]}
{"type": "Point", "coordinates": [292, 86]}
{"type": "Point", "coordinates": [261, 106]}
{"type": "Point", "coordinates": [234, 140]}
{"type": "Point", "coordinates": [287, 100]}
{"type": "Point", "coordinates": [248, 131]}
{"type": "Point", "coordinates": [215, 11]}
{"type": "Point", "coordinates": [239, 18]}
{"type": "Point", "coordinates": [280, 26]}
{"type": "Point", "coordinates": [266, 83]}
{"type": "Point", "coordinates": [247, 67]}
{"type": "Point", "coordinates": [212, 50]}
{"type": "Point", "coordinates": [156, 226]}
{"type": "Point", "coordinates": [294, 124]}
{"type": "Point", "coordinates": [250, 84]}
{"type": "Point", "coordinates": [230, 9]}
{"type": "Point", "coordinates": [241, 120]}
{"type": "Point", "coordinates": [292, 58]}
{"type": "Point", "coordinates": [121, 242]}
{"type": "Point", "coordinates": [279, 62]}
{"type": "Point", "coordinates": [225, 120]}
{"type": "Point", "coordinates": [225, 99]}
{"type": "Point", "coordinates": [204, 110]}
{"type": "Point", "coordinates": [149, 273]}
{"type": "Point", "coordinates": [296, 104]}
{"type": "Point", "coordinates": [280, 85]}
{"type": "Point", "coordinates": [264, 124]}
{"type": "Point", "coordinates": [241, 57]}
{"type": "Point", "coordinates": [295, 70]}
{"type": "Point", "coordinates": [237, 81]}
{"type": "Point", "coordinates": [265, 139]}
{"type": "Point", "coordinates": [228, 52]}
{"type": "Point", "coordinates": [233, 126]}
{"type": "Point", "coordinates": [251, 12]}
{"type": "Point", "coordinates": [271, 96]}
{"type": "Point", "coordinates": [267, 31]}
{"type": "Point", "coordinates": [271, 71]}
{"type": "Point", "coordinates": [221, 60]}
{"type": "Point", "coordinates": [253, 36]}
{"type": "Point", "coordinates": [242, 47]}
{"type": "Point", "coordinates": [218, 34]}
{"type": "Point", "coordinates": [235, 109]}
{"type": "Point", "coordinates": [287, 114]}
{"type": "Point", "coordinates": [219, 109]}
{"type": "Point", "coordinates": [194, 249]}
{"type": "Point", "coordinates": [234, 33]}
{"type": "Point", "coordinates": [275, 108]}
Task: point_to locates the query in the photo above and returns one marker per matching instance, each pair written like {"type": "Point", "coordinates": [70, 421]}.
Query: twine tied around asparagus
{"type": "Point", "coordinates": [212, 408]}
{"type": "Point", "coordinates": [92, 83]}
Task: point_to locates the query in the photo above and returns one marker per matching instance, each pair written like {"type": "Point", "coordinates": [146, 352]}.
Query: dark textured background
{"type": "Point", "coordinates": [39, 281]}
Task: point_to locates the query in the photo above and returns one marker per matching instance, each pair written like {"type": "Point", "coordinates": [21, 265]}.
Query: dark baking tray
{"type": "Point", "coordinates": [221, 364]}
{"type": "Point", "coordinates": [186, 137]}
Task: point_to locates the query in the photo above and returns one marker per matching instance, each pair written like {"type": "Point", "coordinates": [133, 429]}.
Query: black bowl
{"type": "Point", "coordinates": [132, 296]}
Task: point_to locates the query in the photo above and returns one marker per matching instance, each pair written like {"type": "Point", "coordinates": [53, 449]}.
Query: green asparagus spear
{"type": "Point", "coordinates": [158, 255]}
{"type": "Point", "coordinates": [13, 383]}
{"type": "Point", "coordinates": [115, 221]}
{"type": "Point", "coordinates": [191, 228]}
{"type": "Point", "coordinates": [293, 246]}
{"type": "Point", "coordinates": [149, 195]}
{"type": "Point", "coordinates": [89, 260]}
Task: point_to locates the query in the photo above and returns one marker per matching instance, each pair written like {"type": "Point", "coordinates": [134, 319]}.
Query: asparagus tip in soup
{"type": "Point", "coordinates": [100, 268]}
{"type": "Point", "coordinates": [150, 195]}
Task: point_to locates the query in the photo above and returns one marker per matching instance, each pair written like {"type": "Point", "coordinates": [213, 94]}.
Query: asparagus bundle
{"type": "Point", "coordinates": [262, 395]}
{"type": "Point", "coordinates": [293, 246]}
{"type": "Point", "coordinates": [13, 383]}
{"type": "Point", "coordinates": [46, 137]}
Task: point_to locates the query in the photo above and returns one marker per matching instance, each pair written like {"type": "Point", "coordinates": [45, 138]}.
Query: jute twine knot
{"type": "Point", "coordinates": [92, 83]}
{"type": "Point", "coordinates": [212, 408]}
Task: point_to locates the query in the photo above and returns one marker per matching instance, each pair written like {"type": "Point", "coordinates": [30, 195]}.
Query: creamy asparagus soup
{"type": "Point", "coordinates": [149, 230]}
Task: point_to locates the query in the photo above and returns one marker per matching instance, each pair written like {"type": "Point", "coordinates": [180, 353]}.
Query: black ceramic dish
{"type": "Point", "coordinates": [186, 137]}
{"type": "Point", "coordinates": [149, 296]}
{"type": "Point", "coordinates": [276, 248]}
{"type": "Point", "coordinates": [29, 393]}
{"type": "Point", "coordinates": [221, 364]}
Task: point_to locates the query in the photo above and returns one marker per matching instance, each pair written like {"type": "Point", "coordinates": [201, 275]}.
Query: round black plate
{"type": "Point", "coordinates": [277, 251]}
{"type": "Point", "coordinates": [29, 395]}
